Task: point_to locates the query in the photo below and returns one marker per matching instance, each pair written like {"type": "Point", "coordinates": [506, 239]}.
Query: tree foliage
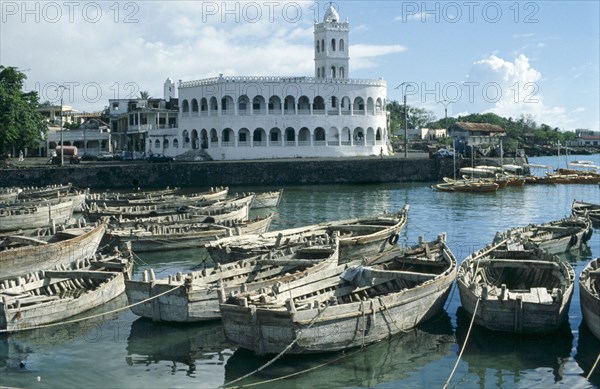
{"type": "Point", "coordinates": [21, 125]}
{"type": "Point", "coordinates": [415, 117]}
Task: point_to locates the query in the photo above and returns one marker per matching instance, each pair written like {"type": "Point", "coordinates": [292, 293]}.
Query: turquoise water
{"type": "Point", "coordinates": [121, 350]}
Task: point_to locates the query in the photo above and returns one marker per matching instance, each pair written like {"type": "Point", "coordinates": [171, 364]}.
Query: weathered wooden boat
{"type": "Point", "coordinates": [589, 295]}
{"type": "Point", "coordinates": [45, 191]}
{"type": "Point", "coordinates": [196, 299]}
{"type": "Point", "coordinates": [175, 200]}
{"type": "Point", "coordinates": [49, 296]}
{"type": "Point", "coordinates": [359, 237]}
{"type": "Point", "coordinates": [581, 208]}
{"type": "Point", "coordinates": [9, 193]}
{"type": "Point", "coordinates": [269, 199]}
{"type": "Point", "coordinates": [30, 215]}
{"type": "Point", "coordinates": [515, 286]}
{"type": "Point", "coordinates": [235, 209]}
{"type": "Point", "coordinates": [185, 234]}
{"type": "Point", "coordinates": [556, 236]}
{"type": "Point", "coordinates": [46, 248]}
{"type": "Point", "coordinates": [348, 306]}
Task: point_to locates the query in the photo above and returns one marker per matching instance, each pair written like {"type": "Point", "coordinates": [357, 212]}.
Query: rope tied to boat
{"type": "Point", "coordinates": [93, 316]}
{"type": "Point", "coordinates": [593, 368]}
{"type": "Point", "coordinates": [276, 357]}
{"type": "Point", "coordinates": [464, 345]}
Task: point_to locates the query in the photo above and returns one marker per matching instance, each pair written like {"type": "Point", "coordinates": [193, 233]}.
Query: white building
{"type": "Point", "coordinates": [326, 115]}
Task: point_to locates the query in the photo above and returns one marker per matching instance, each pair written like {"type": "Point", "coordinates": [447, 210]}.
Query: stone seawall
{"type": "Point", "coordinates": [230, 173]}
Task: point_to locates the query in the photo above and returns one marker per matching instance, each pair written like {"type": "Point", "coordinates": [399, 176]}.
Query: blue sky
{"type": "Point", "coordinates": [512, 58]}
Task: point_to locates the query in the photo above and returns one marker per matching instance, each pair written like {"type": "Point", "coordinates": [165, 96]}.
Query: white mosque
{"type": "Point", "coordinates": [327, 115]}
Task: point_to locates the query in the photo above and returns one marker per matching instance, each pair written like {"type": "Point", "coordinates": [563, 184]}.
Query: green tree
{"type": "Point", "coordinates": [144, 95]}
{"type": "Point", "coordinates": [21, 125]}
{"type": "Point", "coordinates": [416, 117]}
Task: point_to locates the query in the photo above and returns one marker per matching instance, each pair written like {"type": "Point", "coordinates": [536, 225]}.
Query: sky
{"type": "Point", "coordinates": [539, 59]}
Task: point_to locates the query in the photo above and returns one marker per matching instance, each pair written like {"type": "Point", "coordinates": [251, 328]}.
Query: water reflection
{"type": "Point", "coordinates": [588, 349]}
{"type": "Point", "coordinates": [390, 360]}
{"type": "Point", "coordinates": [185, 347]}
{"type": "Point", "coordinates": [504, 358]}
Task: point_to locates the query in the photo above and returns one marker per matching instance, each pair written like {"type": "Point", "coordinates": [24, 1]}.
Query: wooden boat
{"type": "Point", "coordinates": [469, 186]}
{"type": "Point", "coordinates": [589, 296]}
{"type": "Point", "coordinates": [119, 199]}
{"type": "Point", "coordinates": [235, 209]}
{"type": "Point", "coordinates": [45, 248]}
{"type": "Point", "coordinates": [186, 234]}
{"type": "Point", "coordinates": [515, 286]}
{"type": "Point", "coordinates": [8, 194]}
{"type": "Point", "coordinates": [592, 211]}
{"type": "Point", "coordinates": [269, 199]}
{"type": "Point", "coordinates": [196, 298]}
{"type": "Point", "coordinates": [54, 295]}
{"type": "Point", "coordinates": [556, 236]}
{"type": "Point", "coordinates": [347, 306]}
{"type": "Point", "coordinates": [30, 215]}
{"type": "Point", "coordinates": [45, 191]}
{"type": "Point", "coordinates": [359, 237]}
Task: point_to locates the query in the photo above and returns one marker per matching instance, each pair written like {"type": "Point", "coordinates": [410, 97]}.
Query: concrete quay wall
{"type": "Point", "coordinates": [231, 173]}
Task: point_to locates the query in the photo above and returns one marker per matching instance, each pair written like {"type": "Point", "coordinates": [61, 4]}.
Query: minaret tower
{"type": "Point", "coordinates": [331, 46]}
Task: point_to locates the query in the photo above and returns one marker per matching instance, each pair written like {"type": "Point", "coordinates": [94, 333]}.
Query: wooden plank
{"type": "Point", "coordinates": [80, 274]}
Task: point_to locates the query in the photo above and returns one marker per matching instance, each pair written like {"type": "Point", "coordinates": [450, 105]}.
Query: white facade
{"type": "Point", "coordinates": [232, 118]}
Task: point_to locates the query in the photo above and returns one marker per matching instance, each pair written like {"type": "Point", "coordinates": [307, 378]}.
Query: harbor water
{"type": "Point", "coordinates": [120, 350]}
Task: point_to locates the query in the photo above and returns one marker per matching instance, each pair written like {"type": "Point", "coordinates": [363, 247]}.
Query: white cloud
{"type": "Point", "coordinates": [510, 89]}
{"type": "Point", "coordinates": [181, 40]}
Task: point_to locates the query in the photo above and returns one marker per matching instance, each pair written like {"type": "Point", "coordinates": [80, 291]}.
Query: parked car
{"type": "Point", "coordinates": [104, 156]}
{"type": "Point", "coordinates": [160, 158]}
{"type": "Point", "coordinates": [87, 157]}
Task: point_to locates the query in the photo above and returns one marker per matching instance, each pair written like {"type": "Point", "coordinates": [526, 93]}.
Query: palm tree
{"type": "Point", "coordinates": [144, 95]}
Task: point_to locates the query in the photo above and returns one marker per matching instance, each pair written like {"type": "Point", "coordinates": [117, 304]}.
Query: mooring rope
{"type": "Point", "coordinates": [593, 367]}
{"type": "Point", "coordinates": [464, 345]}
{"type": "Point", "coordinates": [289, 346]}
{"type": "Point", "coordinates": [93, 316]}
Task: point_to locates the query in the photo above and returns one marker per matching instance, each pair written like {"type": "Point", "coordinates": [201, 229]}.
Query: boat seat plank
{"type": "Point", "coordinates": [79, 274]}
{"type": "Point", "coordinates": [516, 263]}
{"type": "Point", "coordinates": [27, 240]}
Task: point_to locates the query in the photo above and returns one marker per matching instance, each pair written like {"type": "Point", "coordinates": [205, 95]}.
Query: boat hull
{"type": "Point", "coordinates": [38, 216]}
{"type": "Point", "coordinates": [52, 255]}
{"type": "Point", "coordinates": [590, 298]}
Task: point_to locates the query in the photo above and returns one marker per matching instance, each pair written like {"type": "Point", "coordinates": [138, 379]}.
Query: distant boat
{"type": "Point", "coordinates": [514, 286]}
{"type": "Point", "coordinates": [589, 296]}
{"type": "Point", "coordinates": [196, 298]}
{"type": "Point", "coordinates": [53, 295]}
{"type": "Point", "coordinates": [350, 305]}
{"type": "Point", "coordinates": [466, 185]}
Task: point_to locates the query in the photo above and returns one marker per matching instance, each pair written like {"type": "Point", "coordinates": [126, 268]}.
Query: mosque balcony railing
{"type": "Point", "coordinates": [283, 80]}
{"type": "Point", "coordinates": [319, 143]}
